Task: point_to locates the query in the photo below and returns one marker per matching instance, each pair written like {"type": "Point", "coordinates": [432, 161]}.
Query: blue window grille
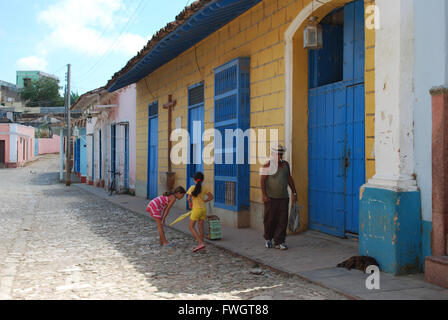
{"type": "Point", "coordinates": [232, 111]}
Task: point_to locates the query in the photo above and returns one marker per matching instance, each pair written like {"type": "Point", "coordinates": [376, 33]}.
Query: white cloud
{"type": "Point", "coordinates": [89, 27]}
{"type": "Point", "coordinates": [32, 63]}
{"type": "Point", "coordinates": [131, 43]}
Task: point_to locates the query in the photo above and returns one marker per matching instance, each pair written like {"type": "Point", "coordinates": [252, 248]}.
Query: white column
{"type": "Point", "coordinates": [13, 139]}
{"type": "Point", "coordinates": [61, 155]}
{"type": "Point", "coordinates": [395, 98]}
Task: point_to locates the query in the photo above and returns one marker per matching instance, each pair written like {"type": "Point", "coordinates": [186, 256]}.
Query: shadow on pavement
{"type": "Point", "coordinates": [171, 270]}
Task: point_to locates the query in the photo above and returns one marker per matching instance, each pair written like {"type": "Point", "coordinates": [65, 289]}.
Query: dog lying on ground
{"type": "Point", "coordinates": [359, 263]}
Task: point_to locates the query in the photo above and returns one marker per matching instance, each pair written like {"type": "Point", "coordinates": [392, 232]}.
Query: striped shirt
{"type": "Point", "coordinates": [157, 205]}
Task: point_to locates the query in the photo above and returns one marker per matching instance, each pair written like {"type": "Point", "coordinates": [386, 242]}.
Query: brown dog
{"type": "Point", "coordinates": [359, 263]}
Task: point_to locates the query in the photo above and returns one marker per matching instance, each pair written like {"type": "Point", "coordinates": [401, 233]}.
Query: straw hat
{"type": "Point", "coordinates": [278, 148]}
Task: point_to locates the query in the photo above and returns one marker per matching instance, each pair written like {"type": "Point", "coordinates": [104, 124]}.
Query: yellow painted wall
{"type": "Point", "coordinates": [370, 97]}
{"type": "Point", "coordinates": [258, 34]}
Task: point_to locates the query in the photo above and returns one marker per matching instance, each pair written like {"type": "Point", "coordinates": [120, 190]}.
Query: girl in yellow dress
{"type": "Point", "coordinates": [196, 199]}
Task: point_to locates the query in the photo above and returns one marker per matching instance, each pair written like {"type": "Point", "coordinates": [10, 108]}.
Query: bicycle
{"type": "Point", "coordinates": [112, 187]}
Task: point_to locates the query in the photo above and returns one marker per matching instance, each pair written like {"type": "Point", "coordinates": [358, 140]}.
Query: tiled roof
{"type": "Point", "coordinates": [180, 19]}
{"type": "Point", "coordinates": [192, 25]}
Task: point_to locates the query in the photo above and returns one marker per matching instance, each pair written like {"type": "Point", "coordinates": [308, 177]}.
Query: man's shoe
{"type": "Point", "coordinates": [269, 244]}
{"type": "Point", "coordinates": [282, 246]}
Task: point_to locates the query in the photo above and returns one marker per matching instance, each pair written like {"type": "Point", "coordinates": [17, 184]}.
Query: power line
{"type": "Point", "coordinates": [109, 50]}
{"type": "Point", "coordinates": [101, 34]}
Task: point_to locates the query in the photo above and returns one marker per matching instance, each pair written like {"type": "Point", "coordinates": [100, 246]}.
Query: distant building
{"type": "Point", "coordinates": [17, 144]}
{"type": "Point", "coordinates": [9, 115]}
{"type": "Point", "coordinates": [9, 95]}
{"type": "Point", "coordinates": [23, 78]}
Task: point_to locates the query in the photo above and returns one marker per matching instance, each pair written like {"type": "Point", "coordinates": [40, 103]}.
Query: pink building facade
{"type": "Point", "coordinates": [17, 145]}
{"type": "Point", "coordinates": [111, 138]}
{"type": "Point", "coordinates": [48, 145]}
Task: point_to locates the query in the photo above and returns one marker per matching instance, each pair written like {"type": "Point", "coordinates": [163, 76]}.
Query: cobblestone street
{"type": "Point", "coordinates": [64, 243]}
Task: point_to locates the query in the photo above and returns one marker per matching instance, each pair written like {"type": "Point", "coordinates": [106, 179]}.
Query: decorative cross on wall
{"type": "Point", "coordinates": [169, 106]}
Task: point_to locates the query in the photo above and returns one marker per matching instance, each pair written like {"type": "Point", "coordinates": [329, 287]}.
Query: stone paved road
{"type": "Point", "coordinates": [63, 243]}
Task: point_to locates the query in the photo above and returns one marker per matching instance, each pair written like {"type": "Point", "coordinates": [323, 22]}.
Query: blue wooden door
{"type": "Point", "coordinates": [153, 127]}
{"type": "Point", "coordinates": [355, 153]}
{"type": "Point", "coordinates": [100, 151]}
{"type": "Point", "coordinates": [78, 155]}
{"type": "Point", "coordinates": [113, 147]}
{"type": "Point", "coordinates": [126, 156]}
{"type": "Point", "coordinates": [93, 158]}
{"type": "Point", "coordinates": [231, 112]}
{"type": "Point", "coordinates": [195, 130]}
{"type": "Point", "coordinates": [336, 127]}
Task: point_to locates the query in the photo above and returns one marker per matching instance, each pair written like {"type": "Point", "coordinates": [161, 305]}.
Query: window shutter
{"type": "Point", "coordinates": [153, 109]}
{"type": "Point", "coordinates": [232, 112]}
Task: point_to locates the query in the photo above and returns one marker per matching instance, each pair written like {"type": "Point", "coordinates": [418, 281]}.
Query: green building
{"type": "Point", "coordinates": [24, 78]}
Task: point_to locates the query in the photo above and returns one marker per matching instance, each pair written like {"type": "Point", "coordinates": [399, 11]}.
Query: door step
{"type": "Point", "coordinates": [436, 270]}
{"type": "Point", "coordinates": [349, 235]}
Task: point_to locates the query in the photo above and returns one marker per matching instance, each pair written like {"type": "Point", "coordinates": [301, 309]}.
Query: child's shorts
{"type": "Point", "coordinates": [198, 214]}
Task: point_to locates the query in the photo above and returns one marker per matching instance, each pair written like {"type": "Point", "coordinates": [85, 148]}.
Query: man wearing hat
{"type": "Point", "coordinates": [275, 179]}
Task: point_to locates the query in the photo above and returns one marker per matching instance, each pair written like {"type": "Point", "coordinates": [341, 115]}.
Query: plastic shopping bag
{"type": "Point", "coordinates": [294, 218]}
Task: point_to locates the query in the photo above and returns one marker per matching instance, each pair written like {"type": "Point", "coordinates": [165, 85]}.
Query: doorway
{"type": "Point", "coordinates": [336, 127]}
{"type": "Point", "coordinates": [126, 157]}
{"type": "Point", "coordinates": [2, 153]}
{"type": "Point", "coordinates": [153, 144]}
{"type": "Point", "coordinates": [195, 130]}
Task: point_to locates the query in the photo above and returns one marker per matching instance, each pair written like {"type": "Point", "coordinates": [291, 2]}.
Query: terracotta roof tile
{"type": "Point", "coordinates": [181, 18]}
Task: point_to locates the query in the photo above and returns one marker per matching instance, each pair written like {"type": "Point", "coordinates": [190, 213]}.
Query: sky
{"type": "Point", "coordinates": [97, 37]}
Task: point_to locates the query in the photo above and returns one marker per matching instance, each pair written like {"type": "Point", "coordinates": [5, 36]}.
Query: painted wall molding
{"type": "Point", "coordinates": [289, 35]}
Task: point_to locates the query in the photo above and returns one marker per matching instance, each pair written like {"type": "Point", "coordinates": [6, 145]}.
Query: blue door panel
{"type": "Point", "coordinates": [356, 152]}
{"type": "Point", "coordinates": [93, 158]}
{"type": "Point", "coordinates": [324, 66]}
{"type": "Point", "coordinates": [349, 45]}
{"type": "Point", "coordinates": [152, 186]}
{"type": "Point", "coordinates": [349, 156]}
{"type": "Point", "coordinates": [195, 147]}
{"type": "Point", "coordinates": [126, 157]}
{"type": "Point", "coordinates": [359, 43]}
{"type": "Point", "coordinates": [78, 155]}
{"type": "Point", "coordinates": [327, 136]}
{"type": "Point", "coordinates": [113, 142]}
{"type": "Point", "coordinates": [336, 129]}
{"type": "Point", "coordinates": [100, 151]}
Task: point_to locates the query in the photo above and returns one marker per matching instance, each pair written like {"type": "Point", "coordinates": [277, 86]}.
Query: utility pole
{"type": "Point", "coordinates": [69, 132]}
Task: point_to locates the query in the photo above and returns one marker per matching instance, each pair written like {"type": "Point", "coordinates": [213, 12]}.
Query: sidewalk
{"type": "Point", "coordinates": [312, 256]}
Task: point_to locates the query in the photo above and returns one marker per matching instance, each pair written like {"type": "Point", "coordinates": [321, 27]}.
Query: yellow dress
{"type": "Point", "coordinates": [199, 211]}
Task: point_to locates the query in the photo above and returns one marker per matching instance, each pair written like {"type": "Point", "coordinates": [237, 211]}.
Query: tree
{"type": "Point", "coordinates": [42, 93]}
{"type": "Point", "coordinates": [74, 96]}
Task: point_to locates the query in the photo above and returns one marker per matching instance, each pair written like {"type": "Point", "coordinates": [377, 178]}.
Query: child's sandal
{"type": "Point", "coordinates": [199, 247]}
